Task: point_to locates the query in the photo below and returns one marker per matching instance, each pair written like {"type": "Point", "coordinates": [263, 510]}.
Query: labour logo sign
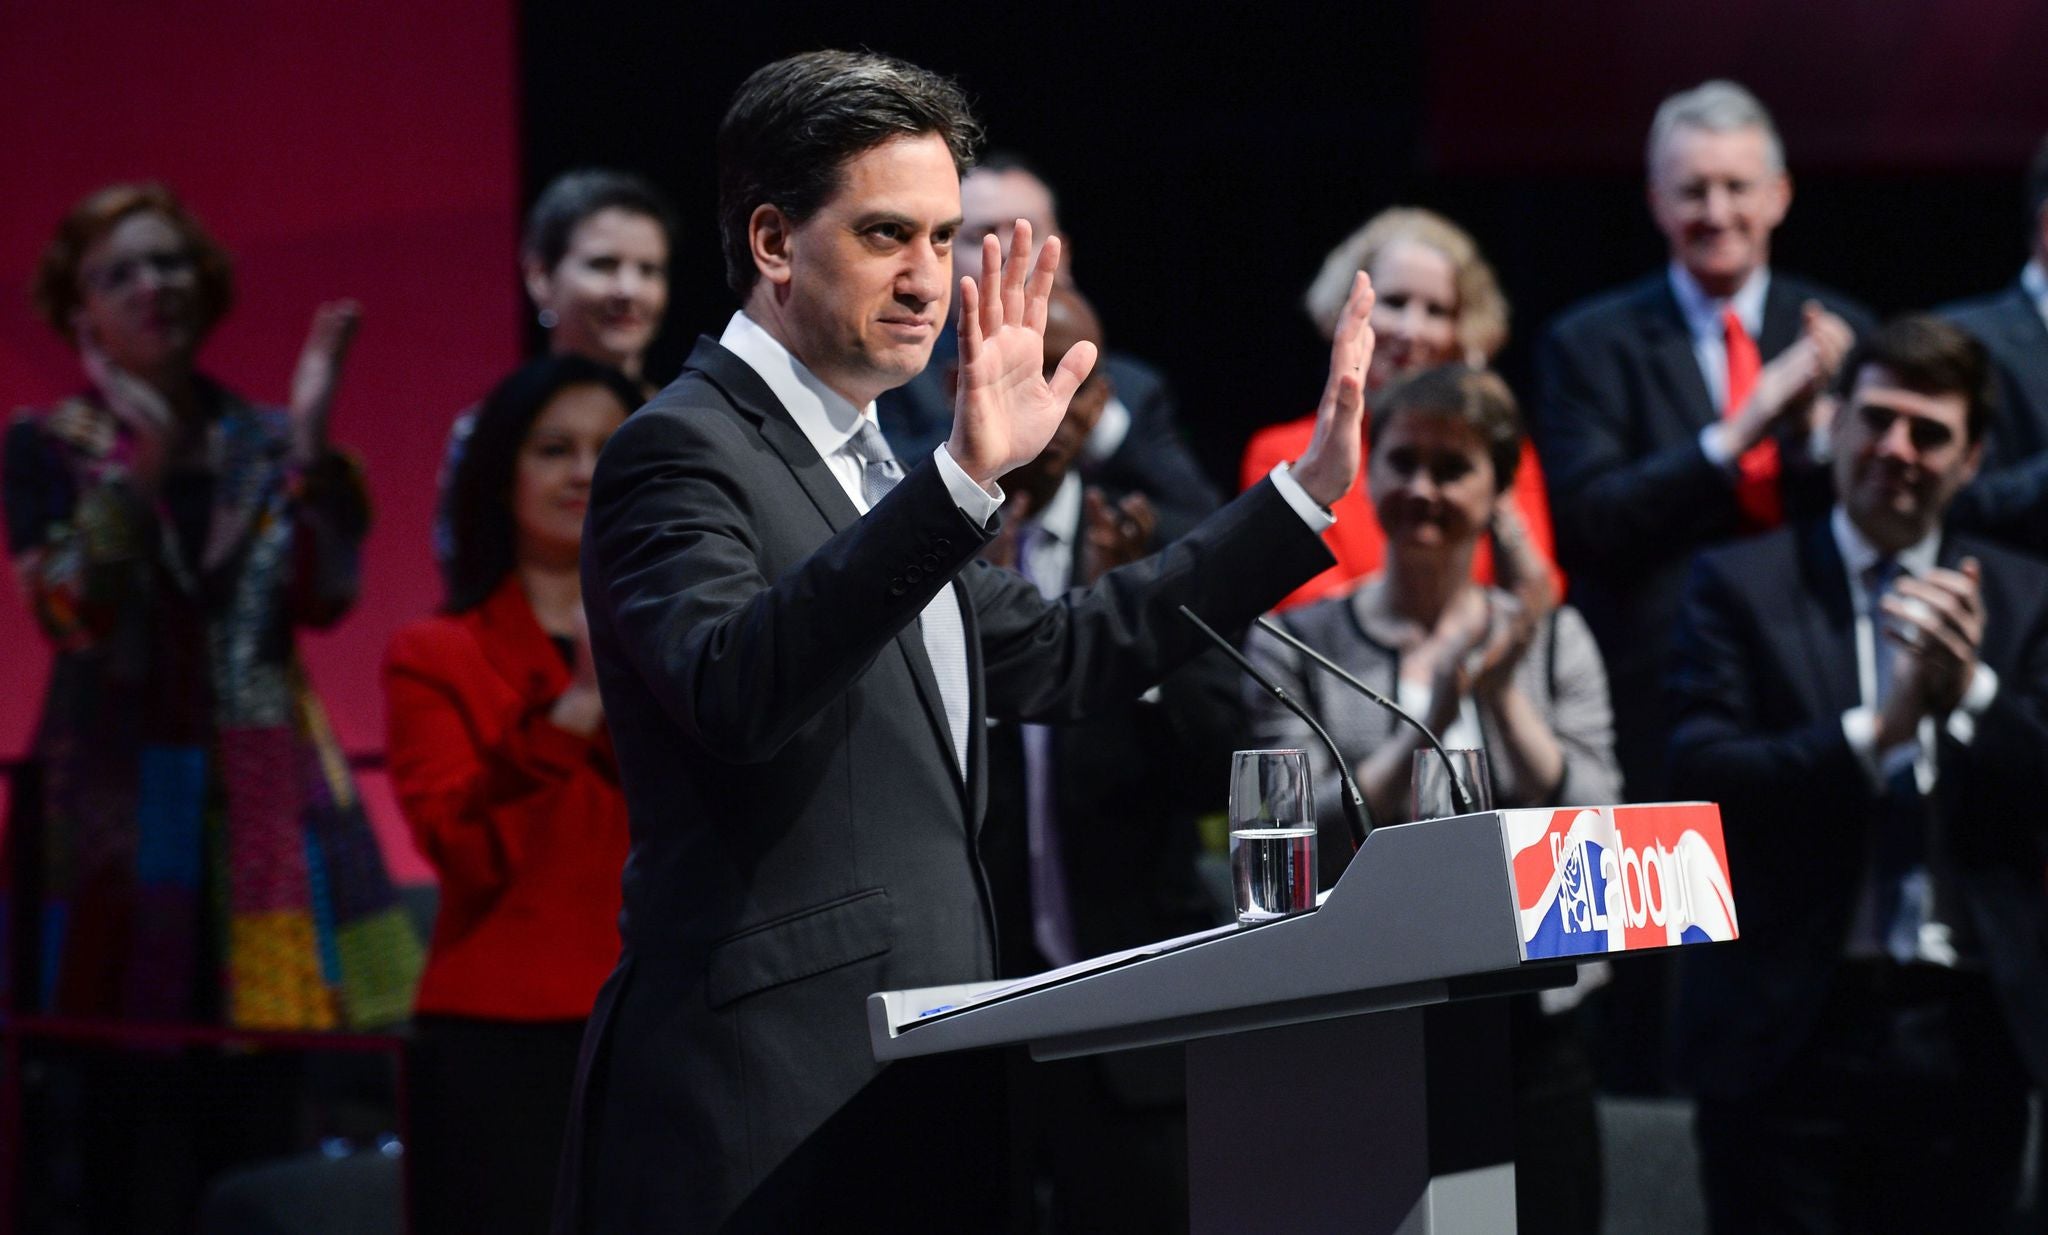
{"type": "Point", "coordinates": [1619, 878]}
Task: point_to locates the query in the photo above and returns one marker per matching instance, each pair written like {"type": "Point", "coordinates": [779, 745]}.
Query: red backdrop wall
{"type": "Point", "coordinates": [364, 150]}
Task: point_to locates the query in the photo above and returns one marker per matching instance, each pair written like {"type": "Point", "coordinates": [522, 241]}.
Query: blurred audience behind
{"type": "Point", "coordinates": [1436, 302]}
{"type": "Point", "coordinates": [499, 753]}
{"type": "Point", "coordinates": [1866, 695]}
{"type": "Point", "coordinates": [185, 844]}
{"type": "Point", "coordinates": [594, 260]}
{"type": "Point", "coordinates": [1483, 670]}
{"type": "Point", "coordinates": [1091, 840]}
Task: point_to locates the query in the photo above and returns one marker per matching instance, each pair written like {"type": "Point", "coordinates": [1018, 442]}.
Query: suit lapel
{"type": "Point", "coordinates": [1672, 359]}
{"type": "Point", "coordinates": [1782, 307]}
{"type": "Point", "coordinates": [1828, 617]}
{"type": "Point", "coordinates": [752, 398]}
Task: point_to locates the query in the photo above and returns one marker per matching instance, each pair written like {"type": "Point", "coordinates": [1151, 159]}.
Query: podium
{"type": "Point", "coordinates": [1333, 1083]}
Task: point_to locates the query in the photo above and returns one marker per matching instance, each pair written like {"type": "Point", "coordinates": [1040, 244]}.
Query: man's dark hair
{"type": "Point", "coordinates": [1928, 356]}
{"type": "Point", "coordinates": [484, 535]}
{"type": "Point", "coordinates": [1464, 393]}
{"type": "Point", "coordinates": [2037, 191]}
{"type": "Point", "coordinates": [574, 196]}
{"type": "Point", "coordinates": [794, 124]}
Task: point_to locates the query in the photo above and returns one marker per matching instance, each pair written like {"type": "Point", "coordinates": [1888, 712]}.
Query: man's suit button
{"type": "Point", "coordinates": [896, 587]}
{"type": "Point", "coordinates": [912, 574]}
{"type": "Point", "coordinates": [943, 545]}
{"type": "Point", "coordinates": [931, 563]}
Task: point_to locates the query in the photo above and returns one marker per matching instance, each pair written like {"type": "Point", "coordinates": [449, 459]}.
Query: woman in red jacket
{"type": "Point", "coordinates": [500, 757]}
{"type": "Point", "coordinates": [1437, 302]}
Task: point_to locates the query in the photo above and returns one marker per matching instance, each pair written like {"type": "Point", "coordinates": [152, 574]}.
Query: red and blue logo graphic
{"type": "Point", "coordinates": [1600, 879]}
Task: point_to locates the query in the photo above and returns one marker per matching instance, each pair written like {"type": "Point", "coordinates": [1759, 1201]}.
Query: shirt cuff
{"type": "Point", "coordinates": [974, 501]}
{"type": "Point", "coordinates": [1962, 723]}
{"type": "Point", "coordinates": [1859, 729]}
{"type": "Point", "coordinates": [1711, 446]}
{"type": "Point", "coordinates": [1318, 519]}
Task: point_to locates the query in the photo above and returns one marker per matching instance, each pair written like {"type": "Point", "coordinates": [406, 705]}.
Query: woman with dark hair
{"type": "Point", "coordinates": [594, 259]}
{"type": "Point", "coordinates": [499, 755]}
{"type": "Point", "coordinates": [1484, 671]}
{"type": "Point", "coordinates": [187, 844]}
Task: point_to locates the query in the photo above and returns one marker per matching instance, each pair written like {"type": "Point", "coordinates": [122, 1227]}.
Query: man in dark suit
{"type": "Point", "coordinates": [797, 651]}
{"type": "Point", "coordinates": [1867, 698]}
{"type": "Point", "coordinates": [1674, 413]}
{"type": "Point", "coordinates": [1136, 445]}
{"type": "Point", "coordinates": [2010, 500]}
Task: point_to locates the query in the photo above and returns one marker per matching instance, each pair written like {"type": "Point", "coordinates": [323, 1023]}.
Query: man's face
{"type": "Point", "coordinates": [1717, 200]}
{"type": "Point", "coordinates": [870, 274]}
{"type": "Point", "coordinates": [1900, 456]}
{"type": "Point", "coordinates": [991, 202]}
{"type": "Point", "coordinates": [1070, 320]}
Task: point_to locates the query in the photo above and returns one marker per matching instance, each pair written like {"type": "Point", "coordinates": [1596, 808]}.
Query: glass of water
{"type": "Point", "coordinates": [1272, 834]}
{"type": "Point", "coordinates": [1431, 796]}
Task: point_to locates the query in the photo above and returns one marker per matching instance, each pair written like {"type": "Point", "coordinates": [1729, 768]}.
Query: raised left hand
{"type": "Point", "coordinates": [1329, 467]}
{"type": "Point", "coordinates": [318, 375]}
{"type": "Point", "coordinates": [1005, 409]}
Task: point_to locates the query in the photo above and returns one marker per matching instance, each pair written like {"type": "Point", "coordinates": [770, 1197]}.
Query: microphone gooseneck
{"type": "Point", "coordinates": [1461, 793]}
{"type": "Point", "coordinates": [1356, 812]}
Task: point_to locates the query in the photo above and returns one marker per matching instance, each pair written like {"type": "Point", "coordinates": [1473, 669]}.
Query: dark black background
{"type": "Point", "coordinates": [1206, 162]}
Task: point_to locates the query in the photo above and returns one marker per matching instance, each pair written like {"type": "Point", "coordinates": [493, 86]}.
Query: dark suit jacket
{"type": "Point", "coordinates": [1129, 784]}
{"type": "Point", "coordinates": [2009, 500]}
{"type": "Point", "coordinates": [1765, 665]}
{"type": "Point", "coordinates": [1617, 423]}
{"type": "Point", "coordinates": [801, 836]}
{"type": "Point", "coordinates": [1152, 459]}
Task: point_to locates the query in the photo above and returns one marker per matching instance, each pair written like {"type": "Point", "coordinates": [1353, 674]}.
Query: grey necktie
{"type": "Point", "coordinates": [945, 638]}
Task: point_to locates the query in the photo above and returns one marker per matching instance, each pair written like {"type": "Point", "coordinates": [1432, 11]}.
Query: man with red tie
{"type": "Point", "coordinates": [1678, 412]}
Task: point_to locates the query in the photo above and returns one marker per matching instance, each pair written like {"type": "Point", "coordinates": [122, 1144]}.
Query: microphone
{"type": "Point", "coordinates": [1356, 812]}
{"type": "Point", "coordinates": [1461, 793]}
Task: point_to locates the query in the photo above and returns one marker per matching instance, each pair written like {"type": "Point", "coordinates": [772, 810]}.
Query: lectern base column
{"type": "Point", "coordinates": [1390, 1123]}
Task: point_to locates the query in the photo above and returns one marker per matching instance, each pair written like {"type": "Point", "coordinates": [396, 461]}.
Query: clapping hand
{"type": "Point", "coordinates": [1114, 534]}
{"type": "Point", "coordinates": [1005, 408]}
{"type": "Point", "coordinates": [1934, 624]}
{"type": "Point", "coordinates": [580, 708]}
{"type": "Point", "coordinates": [1329, 467]}
{"type": "Point", "coordinates": [137, 406]}
{"type": "Point", "coordinates": [318, 374]}
{"type": "Point", "coordinates": [1788, 385]}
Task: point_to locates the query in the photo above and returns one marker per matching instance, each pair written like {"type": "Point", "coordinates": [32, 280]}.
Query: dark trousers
{"type": "Point", "coordinates": [490, 1104]}
{"type": "Point", "coordinates": [1906, 1111]}
{"type": "Point", "coordinates": [1557, 1133]}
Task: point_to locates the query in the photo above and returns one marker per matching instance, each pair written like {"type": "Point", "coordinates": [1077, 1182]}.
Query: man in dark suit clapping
{"type": "Point", "coordinates": [798, 650]}
{"type": "Point", "coordinates": [1866, 695]}
{"type": "Point", "coordinates": [1674, 413]}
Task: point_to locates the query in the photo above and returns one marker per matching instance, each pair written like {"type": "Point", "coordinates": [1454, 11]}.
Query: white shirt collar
{"type": "Point", "coordinates": [1703, 312]}
{"type": "Point", "coordinates": [826, 417]}
{"type": "Point", "coordinates": [1061, 518]}
{"type": "Point", "coordinates": [2034, 281]}
{"type": "Point", "coordinates": [1859, 555]}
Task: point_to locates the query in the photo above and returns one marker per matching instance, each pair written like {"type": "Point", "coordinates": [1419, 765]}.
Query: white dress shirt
{"type": "Point", "coordinates": [1859, 724]}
